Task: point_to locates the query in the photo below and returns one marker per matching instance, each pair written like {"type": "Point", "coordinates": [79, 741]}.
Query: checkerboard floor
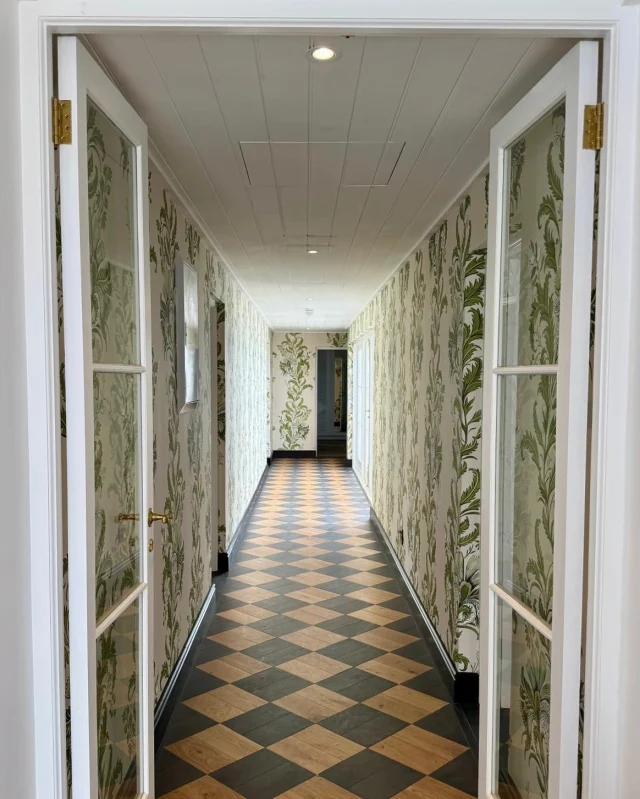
{"type": "Point", "coordinates": [314, 681]}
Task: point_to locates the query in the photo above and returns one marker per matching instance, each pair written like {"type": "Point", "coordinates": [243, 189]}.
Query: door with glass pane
{"type": "Point", "coordinates": [104, 230]}
{"type": "Point", "coordinates": [540, 233]}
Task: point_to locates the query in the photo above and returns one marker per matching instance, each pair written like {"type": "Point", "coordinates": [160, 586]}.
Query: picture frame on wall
{"type": "Point", "coordinates": [187, 335]}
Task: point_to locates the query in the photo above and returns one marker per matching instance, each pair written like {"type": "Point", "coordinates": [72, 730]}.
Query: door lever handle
{"type": "Point", "coordinates": [128, 517]}
{"type": "Point", "coordinates": [165, 518]}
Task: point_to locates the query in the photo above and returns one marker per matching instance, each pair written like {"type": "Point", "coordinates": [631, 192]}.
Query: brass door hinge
{"type": "Point", "coordinates": [61, 121]}
{"type": "Point", "coordinates": [593, 135]}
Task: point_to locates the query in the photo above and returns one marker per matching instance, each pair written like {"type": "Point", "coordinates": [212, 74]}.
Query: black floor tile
{"type": "Point", "coordinates": [347, 626]}
{"type": "Point", "coordinates": [280, 604]}
{"type": "Point", "coordinates": [343, 604]}
{"type": "Point", "coordinates": [199, 682]}
{"type": "Point", "coordinates": [268, 724]}
{"type": "Point", "coordinates": [275, 652]}
{"type": "Point", "coordinates": [371, 775]}
{"type": "Point", "coordinates": [460, 773]}
{"type": "Point", "coordinates": [363, 725]}
{"type": "Point", "coordinates": [183, 723]}
{"type": "Point", "coordinates": [430, 683]}
{"type": "Point", "coordinates": [278, 625]}
{"type": "Point", "coordinates": [356, 684]}
{"type": "Point", "coordinates": [444, 722]}
{"type": "Point", "coordinates": [352, 652]}
{"type": "Point", "coordinates": [210, 650]}
{"type": "Point", "coordinates": [173, 772]}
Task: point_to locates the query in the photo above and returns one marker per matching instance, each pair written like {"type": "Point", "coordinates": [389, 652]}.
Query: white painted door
{"type": "Point", "coordinates": [105, 247]}
{"type": "Point", "coordinates": [539, 267]}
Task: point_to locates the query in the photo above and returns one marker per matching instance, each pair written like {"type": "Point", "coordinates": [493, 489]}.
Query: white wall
{"type": "Point", "coordinates": [16, 732]}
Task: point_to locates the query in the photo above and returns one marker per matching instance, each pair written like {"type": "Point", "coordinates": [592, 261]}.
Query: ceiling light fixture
{"type": "Point", "coordinates": [322, 53]}
{"type": "Point", "coordinates": [312, 252]}
{"type": "Point", "coordinates": [309, 299]}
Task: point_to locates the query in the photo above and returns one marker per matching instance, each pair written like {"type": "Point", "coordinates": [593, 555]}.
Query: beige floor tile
{"type": "Point", "coordinates": [240, 638]}
{"type": "Point", "coordinates": [372, 595]}
{"type": "Point", "coordinates": [318, 788]}
{"type": "Point", "coordinates": [232, 668]}
{"type": "Point", "coordinates": [430, 788]}
{"type": "Point", "coordinates": [311, 578]}
{"type": "Point", "coordinates": [213, 748]}
{"type": "Point", "coordinates": [394, 667]}
{"type": "Point", "coordinates": [418, 749]}
{"type": "Point", "coordinates": [261, 564]}
{"type": "Point", "coordinates": [311, 595]}
{"type": "Point", "coordinates": [224, 703]}
{"type": "Point", "coordinates": [368, 578]}
{"type": "Point", "coordinates": [361, 552]}
{"type": "Point", "coordinates": [308, 550]}
{"type": "Point", "coordinates": [310, 564]}
{"type": "Point", "coordinates": [362, 564]}
{"type": "Point", "coordinates": [405, 703]}
{"type": "Point", "coordinates": [314, 703]}
{"type": "Point", "coordinates": [377, 615]}
{"type": "Point", "coordinates": [251, 595]}
{"type": "Point", "coordinates": [383, 638]}
{"type": "Point", "coordinates": [204, 788]}
{"type": "Point", "coordinates": [316, 749]}
{"type": "Point", "coordinates": [246, 614]}
{"type": "Point", "coordinates": [312, 614]}
{"type": "Point", "coordinates": [313, 638]}
{"type": "Point", "coordinates": [256, 578]}
{"type": "Point", "coordinates": [314, 667]}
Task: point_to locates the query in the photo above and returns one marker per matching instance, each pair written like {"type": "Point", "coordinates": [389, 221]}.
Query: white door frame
{"type": "Point", "coordinates": [357, 344]}
{"type": "Point", "coordinates": [339, 349]}
{"type": "Point", "coordinates": [614, 380]}
{"type": "Point", "coordinates": [213, 380]}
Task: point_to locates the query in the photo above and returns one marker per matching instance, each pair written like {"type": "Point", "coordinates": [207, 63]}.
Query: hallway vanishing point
{"type": "Point", "coordinates": [313, 680]}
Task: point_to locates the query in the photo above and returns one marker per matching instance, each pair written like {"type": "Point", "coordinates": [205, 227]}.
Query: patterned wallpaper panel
{"type": "Point", "coordinates": [293, 390]}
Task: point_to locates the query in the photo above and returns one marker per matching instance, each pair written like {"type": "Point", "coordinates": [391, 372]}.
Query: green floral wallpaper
{"type": "Point", "coordinates": [182, 457]}
{"type": "Point", "coordinates": [428, 324]}
{"type": "Point", "coordinates": [293, 380]}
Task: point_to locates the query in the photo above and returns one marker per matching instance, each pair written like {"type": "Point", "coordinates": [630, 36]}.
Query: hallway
{"type": "Point", "coordinates": [313, 679]}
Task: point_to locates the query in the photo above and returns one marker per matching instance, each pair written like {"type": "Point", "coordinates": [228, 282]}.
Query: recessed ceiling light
{"type": "Point", "coordinates": [323, 53]}
{"type": "Point", "coordinates": [312, 252]}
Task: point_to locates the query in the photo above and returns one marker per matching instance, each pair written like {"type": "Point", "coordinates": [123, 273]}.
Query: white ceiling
{"type": "Point", "coordinates": [356, 158]}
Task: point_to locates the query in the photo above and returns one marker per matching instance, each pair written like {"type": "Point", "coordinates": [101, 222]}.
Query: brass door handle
{"type": "Point", "coordinates": [165, 518]}
{"type": "Point", "coordinates": [127, 517]}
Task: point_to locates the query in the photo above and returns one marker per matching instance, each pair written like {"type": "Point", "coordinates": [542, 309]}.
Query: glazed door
{"type": "Point", "coordinates": [104, 231]}
{"type": "Point", "coordinates": [536, 385]}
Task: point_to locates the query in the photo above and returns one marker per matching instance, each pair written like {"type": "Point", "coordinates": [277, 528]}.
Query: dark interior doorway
{"type": "Point", "coordinates": [331, 406]}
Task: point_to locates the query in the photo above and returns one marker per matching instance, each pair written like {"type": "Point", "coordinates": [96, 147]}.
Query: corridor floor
{"type": "Point", "coordinates": [314, 681]}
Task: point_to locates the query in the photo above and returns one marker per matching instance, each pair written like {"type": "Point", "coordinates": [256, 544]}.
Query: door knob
{"type": "Point", "coordinates": [158, 517]}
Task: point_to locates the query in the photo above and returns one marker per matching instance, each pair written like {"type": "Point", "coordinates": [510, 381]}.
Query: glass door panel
{"type": "Point", "coordinates": [103, 178]}
{"type": "Point", "coordinates": [534, 435]}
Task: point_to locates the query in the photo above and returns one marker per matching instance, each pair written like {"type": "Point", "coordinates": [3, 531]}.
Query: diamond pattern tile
{"type": "Point", "coordinates": [313, 681]}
